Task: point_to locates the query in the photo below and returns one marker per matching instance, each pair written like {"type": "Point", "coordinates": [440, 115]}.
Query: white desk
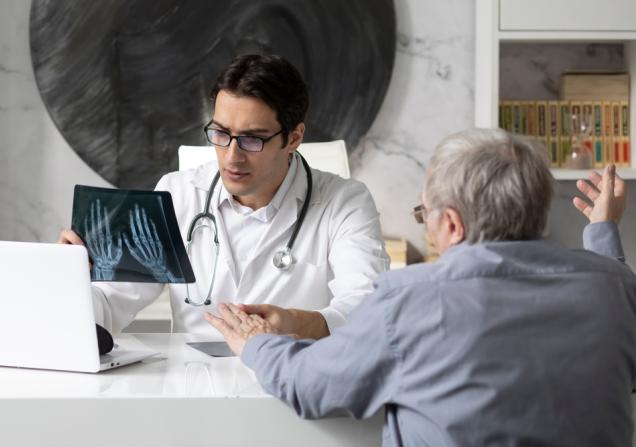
{"type": "Point", "coordinates": [183, 398]}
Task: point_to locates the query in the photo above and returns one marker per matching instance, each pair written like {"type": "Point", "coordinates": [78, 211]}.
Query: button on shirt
{"type": "Point", "coordinates": [245, 226]}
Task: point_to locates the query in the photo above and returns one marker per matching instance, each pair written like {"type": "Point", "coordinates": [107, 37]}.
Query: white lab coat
{"type": "Point", "coordinates": [337, 254]}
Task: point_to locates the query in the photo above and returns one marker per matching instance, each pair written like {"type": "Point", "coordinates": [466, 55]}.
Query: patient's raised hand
{"type": "Point", "coordinates": [606, 196]}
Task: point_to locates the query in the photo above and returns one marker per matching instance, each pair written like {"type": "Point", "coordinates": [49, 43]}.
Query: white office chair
{"type": "Point", "coordinates": [330, 156]}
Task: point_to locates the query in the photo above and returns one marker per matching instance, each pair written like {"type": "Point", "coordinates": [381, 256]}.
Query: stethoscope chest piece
{"type": "Point", "coordinates": [282, 259]}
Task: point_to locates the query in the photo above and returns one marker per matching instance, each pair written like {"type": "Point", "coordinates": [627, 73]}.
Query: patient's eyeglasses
{"type": "Point", "coordinates": [420, 213]}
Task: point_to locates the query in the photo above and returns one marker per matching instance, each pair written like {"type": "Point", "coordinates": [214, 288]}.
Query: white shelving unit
{"type": "Point", "coordinates": [548, 21]}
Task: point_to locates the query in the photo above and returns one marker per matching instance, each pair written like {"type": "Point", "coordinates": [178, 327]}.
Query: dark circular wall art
{"type": "Point", "coordinates": [127, 81]}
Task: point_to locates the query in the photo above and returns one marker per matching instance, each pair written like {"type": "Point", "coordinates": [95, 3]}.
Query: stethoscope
{"type": "Point", "coordinates": [282, 258]}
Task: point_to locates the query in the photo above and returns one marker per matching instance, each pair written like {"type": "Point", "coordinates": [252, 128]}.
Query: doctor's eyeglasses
{"type": "Point", "coordinates": [249, 143]}
{"type": "Point", "coordinates": [420, 213]}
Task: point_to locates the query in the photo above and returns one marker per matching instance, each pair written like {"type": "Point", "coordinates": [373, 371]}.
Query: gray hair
{"type": "Point", "coordinates": [500, 184]}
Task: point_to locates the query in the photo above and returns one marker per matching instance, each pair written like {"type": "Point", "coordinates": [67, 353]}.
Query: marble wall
{"type": "Point", "coordinates": [430, 95]}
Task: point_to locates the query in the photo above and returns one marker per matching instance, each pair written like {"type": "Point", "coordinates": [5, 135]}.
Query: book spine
{"type": "Point", "coordinates": [554, 126]}
{"type": "Point", "coordinates": [597, 133]}
{"type": "Point", "coordinates": [626, 158]}
{"type": "Point", "coordinates": [523, 111]}
{"type": "Point", "coordinates": [516, 117]}
{"type": "Point", "coordinates": [607, 132]}
{"type": "Point", "coordinates": [507, 112]}
{"type": "Point", "coordinates": [565, 138]}
{"type": "Point", "coordinates": [531, 118]}
{"type": "Point", "coordinates": [616, 133]}
{"type": "Point", "coordinates": [587, 122]}
{"type": "Point", "coordinates": [542, 124]}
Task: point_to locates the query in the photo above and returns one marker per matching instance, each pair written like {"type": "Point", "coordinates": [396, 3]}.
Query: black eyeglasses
{"type": "Point", "coordinates": [249, 143]}
{"type": "Point", "coordinates": [420, 213]}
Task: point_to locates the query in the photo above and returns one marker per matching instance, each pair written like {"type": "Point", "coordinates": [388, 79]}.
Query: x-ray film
{"type": "Point", "coordinates": [130, 235]}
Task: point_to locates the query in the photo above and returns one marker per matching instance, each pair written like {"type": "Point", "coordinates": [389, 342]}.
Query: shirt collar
{"type": "Point", "coordinates": [203, 176]}
{"type": "Point", "coordinates": [266, 213]}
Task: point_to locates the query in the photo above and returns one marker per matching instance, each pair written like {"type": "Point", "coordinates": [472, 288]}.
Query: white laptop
{"type": "Point", "coordinates": [46, 310]}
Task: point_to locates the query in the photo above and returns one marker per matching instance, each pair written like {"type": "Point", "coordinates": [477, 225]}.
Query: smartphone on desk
{"type": "Point", "coordinates": [213, 348]}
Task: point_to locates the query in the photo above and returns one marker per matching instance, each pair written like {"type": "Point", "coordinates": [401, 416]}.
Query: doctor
{"type": "Point", "coordinates": [300, 257]}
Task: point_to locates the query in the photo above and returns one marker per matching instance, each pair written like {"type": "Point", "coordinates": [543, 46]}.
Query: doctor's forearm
{"type": "Point", "coordinates": [309, 324]}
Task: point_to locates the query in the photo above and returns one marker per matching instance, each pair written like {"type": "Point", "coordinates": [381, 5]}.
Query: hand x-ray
{"type": "Point", "coordinates": [130, 235]}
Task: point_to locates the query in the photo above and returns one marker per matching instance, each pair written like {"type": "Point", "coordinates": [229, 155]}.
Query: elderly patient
{"type": "Point", "coordinates": [508, 339]}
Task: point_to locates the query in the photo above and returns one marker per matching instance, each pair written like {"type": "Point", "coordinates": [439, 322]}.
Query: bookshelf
{"type": "Point", "coordinates": [547, 21]}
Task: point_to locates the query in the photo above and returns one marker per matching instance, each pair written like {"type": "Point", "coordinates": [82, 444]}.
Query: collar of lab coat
{"type": "Point", "coordinates": [205, 173]}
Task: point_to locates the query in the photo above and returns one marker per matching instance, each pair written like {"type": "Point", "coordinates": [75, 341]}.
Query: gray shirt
{"type": "Point", "coordinates": [500, 343]}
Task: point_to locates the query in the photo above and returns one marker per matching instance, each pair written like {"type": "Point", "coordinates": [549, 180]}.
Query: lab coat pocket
{"type": "Point", "coordinates": [305, 286]}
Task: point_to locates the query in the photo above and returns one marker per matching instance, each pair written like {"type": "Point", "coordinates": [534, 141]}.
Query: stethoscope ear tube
{"type": "Point", "coordinates": [206, 212]}
{"type": "Point", "coordinates": [303, 210]}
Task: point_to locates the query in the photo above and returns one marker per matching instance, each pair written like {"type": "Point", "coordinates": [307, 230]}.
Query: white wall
{"type": "Point", "coordinates": [430, 96]}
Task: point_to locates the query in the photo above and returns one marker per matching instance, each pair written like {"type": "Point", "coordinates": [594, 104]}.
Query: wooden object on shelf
{"type": "Point", "coordinates": [432, 254]}
{"type": "Point", "coordinates": [396, 249]}
{"type": "Point", "coordinates": [594, 86]}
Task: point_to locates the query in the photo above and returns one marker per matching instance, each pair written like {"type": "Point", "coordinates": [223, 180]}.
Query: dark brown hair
{"type": "Point", "coordinates": [271, 79]}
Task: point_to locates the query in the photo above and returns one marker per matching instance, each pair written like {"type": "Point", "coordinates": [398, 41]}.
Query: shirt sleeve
{"type": "Point", "coordinates": [356, 254]}
{"type": "Point", "coordinates": [355, 370]}
{"type": "Point", "coordinates": [603, 238]}
{"type": "Point", "coordinates": [116, 304]}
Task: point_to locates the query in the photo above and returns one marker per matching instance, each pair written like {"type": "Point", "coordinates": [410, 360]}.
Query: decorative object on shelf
{"type": "Point", "coordinates": [396, 249]}
{"type": "Point", "coordinates": [580, 154]}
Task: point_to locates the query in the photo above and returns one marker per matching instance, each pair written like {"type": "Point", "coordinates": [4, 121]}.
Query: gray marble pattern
{"type": "Point", "coordinates": [532, 71]}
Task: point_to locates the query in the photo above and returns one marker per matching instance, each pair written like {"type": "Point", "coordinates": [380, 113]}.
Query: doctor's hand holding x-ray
{"type": "Point", "coordinates": [291, 246]}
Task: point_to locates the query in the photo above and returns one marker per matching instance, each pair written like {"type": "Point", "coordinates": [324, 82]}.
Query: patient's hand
{"type": "Point", "coordinates": [237, 327]}
{"type": "Point", "coordinates": [607, 194]}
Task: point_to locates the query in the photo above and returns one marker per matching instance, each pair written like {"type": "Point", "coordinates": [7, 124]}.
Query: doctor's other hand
{"type": "Point", "coordinates": [281, 319]}
{"type": "Point", "coordinates": [69, 237]}
{"type": "Point", "coordinates": [607, 194]}
{"type": "Point", "coordinates": [237, 327]}
{"type": "Point", "coordinates": [295, 322]}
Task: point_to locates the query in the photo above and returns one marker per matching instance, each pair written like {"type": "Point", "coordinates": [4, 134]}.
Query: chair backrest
{"type": "Point", "coordinates": [330, 156]}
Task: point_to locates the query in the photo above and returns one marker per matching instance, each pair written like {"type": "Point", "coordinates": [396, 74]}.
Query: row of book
{"type": "Point", "coordinates": [602, 127]}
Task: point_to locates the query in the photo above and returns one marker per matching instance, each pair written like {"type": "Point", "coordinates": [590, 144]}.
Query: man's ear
{"type": "Point", "coordinates": [456, 231]}
{"type": "Point", "coordinates": [295, 137]}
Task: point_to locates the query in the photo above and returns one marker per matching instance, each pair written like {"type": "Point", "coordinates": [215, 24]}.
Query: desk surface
{"type": "Point", "coordinates": [179, 371]}
{"type": "Point", "coordinates": [182, 397]}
